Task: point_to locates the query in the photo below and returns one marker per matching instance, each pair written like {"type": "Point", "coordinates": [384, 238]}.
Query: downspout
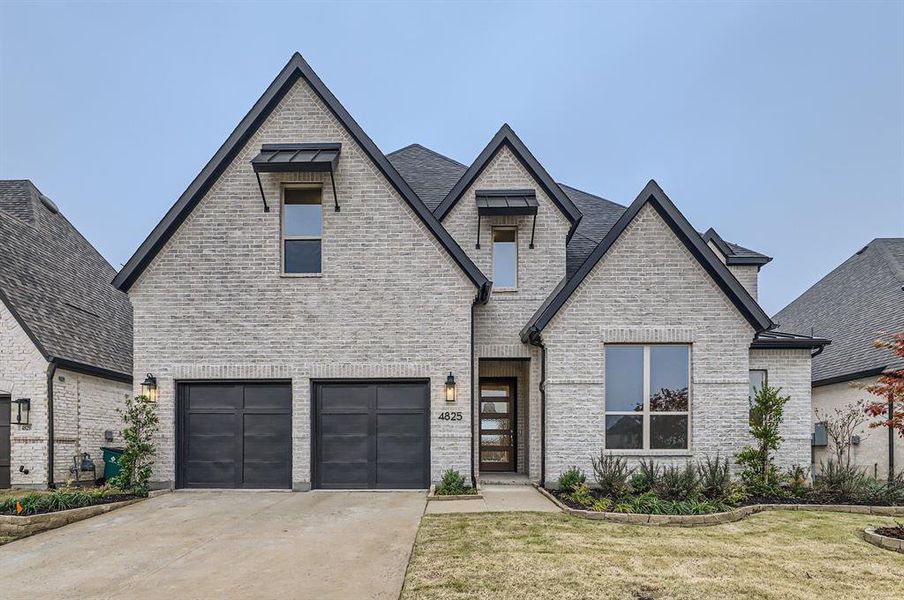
{"type": "Point", "coordinates": [51, 371]}
{"type": "Point", "coordinates": [471, 449]}
{"type": "Point", "coordinates": [536, 340]}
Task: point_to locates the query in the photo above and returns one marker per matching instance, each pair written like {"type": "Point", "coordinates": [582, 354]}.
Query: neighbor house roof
{"type": "Point", "coordinates": [295, 69]}
{"type": "Point", "coordinates": [57, 286]}
{"type": "Point", "coordinates": [851, 305]}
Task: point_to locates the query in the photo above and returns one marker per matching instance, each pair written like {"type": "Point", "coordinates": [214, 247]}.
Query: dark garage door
{"type": "Point", "coordinates": [371, 435]}
{"type": "Point", "coordinates": [4, 441]}
{"type": "Point", "coordinates": [235, 435]}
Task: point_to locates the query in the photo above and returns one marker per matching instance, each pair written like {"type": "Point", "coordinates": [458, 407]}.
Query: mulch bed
{"type": "Point", "coordinates": [896, 532]}
{"type": "Point", "coordinates": [809, 498]}
{"type": "Point", "coordinates": [104, 500]}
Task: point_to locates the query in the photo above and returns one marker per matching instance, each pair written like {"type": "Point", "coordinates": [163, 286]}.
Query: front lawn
{"type": "Point", "coordinates": [787, 555]}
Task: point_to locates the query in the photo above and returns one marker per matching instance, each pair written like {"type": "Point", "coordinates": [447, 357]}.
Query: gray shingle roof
{"type": "Point", "coordinates": [850, 305]}
{"type": "Point", "coordinates": [58, 285]}
{"type": "Point", "coordinates": [432, 175]}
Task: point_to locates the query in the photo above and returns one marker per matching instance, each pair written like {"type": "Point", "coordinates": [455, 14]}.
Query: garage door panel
{"type": "Point", "coordinates": [236, 435]}
{"type": "Point", "coordinates": [401, 397]}
{"type": "Point", "coordinates": [207, 397]}
{"type": "Point", "coordinates": [345, 398]}
{"type": "Point", "coordinates": [264, 397]}
{"type": "Point", "coordinates": [371, 434]}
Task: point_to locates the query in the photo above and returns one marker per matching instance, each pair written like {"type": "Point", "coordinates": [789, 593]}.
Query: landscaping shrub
{"type": "Point", "coordinates": [140, 418]}
{"type": "Point", "coordinates": [61, 499]}
{"type": "Point", "coordinates": [612, 475]}
{"type": "Point", "coordinates": [453, 484]}
{"type": "Point", "coordinates": [646, 477]}
{"type": "Point", "coordinates": [840, 480]}
{"type": "Point", "coordinates": [715, 478]}
{"type": "Point", "coordinates": [581, 495]}
{"type": "Point", "coordinates": [879, 492]}
{"type": "Point", "coordinates": [571, 478]}
{"type": "Point", "coordinates": [678, 483]}
{"type": "Point", "coordinates": [760, 474]}
{"type": "Point", "coordinates": [796, 481]}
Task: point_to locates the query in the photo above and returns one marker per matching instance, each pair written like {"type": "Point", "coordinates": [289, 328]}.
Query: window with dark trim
{"type": "Point", "coordinates": [302, 219]}
{"type": "Point", "coordinates": [647, 397]}
{"type": "Point", "coordinates": [505, 258]}
{"type": "Point", "coordinates": [758, 378]}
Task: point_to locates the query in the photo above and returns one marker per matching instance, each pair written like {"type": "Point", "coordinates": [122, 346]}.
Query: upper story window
{"type": "Point", "coordinates": [505, 258]}
{"type": "Point", "coordinates": [302, 223]}
{"type": "Point", "coordinates": [647, 397]}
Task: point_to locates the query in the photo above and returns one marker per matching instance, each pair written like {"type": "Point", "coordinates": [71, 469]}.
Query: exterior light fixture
{"type": "Point", "coordinates": [450, 388]}
{"type": "Point", "coordinates": [149, 387]}
{"type": "Point", "coordinates": [23, 410]}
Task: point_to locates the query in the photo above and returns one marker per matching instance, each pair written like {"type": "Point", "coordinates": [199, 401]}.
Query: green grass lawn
{"type": "Point", "coordinates": [781, 555]}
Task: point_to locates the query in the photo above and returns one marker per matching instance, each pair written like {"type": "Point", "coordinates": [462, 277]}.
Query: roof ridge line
{"type": "Point", "coordinates": [597, 196]}
{"type": "Point", "coordinates": [896, 267]}
{"type": "Point", "coordinates": [431, 151]}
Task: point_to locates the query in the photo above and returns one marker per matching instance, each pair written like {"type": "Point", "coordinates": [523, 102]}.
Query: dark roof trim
{"type": "Point", "coordinates": [78, 367]}
{"type": "Point", "coordinates": [654, 195]}
{"type": "Point", "coordinates": [24, 326]}
{"type": "Point", "coordinates": [285, 158]}
{"type": "Point", "coordinates": [778, 340]}
{"type": "Point", "coordinates": [729, 254]}
{"type": "Point", "coordinates": [876, 371]}
{"type": "Point", "coordinates": [507, 137]}
{"type": "Point", "coordinates": [296, 67]}
{"type": "Point", "coordinates": [506, 202]}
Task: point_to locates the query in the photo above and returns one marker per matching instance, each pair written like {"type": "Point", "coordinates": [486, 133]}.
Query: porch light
{"type": "Point", "coordinates": [23, 411]}
{"type": "Point", "coordinates": [149, 387]}
{"type": "Point", "coordinates": [450, 388]}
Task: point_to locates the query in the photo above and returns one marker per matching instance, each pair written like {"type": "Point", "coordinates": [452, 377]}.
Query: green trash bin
{"type": "Point", "coordinates": [111, 461]}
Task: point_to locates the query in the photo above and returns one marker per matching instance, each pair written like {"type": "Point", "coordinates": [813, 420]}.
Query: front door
{"type": "Point", "coordinates": [497, 424]}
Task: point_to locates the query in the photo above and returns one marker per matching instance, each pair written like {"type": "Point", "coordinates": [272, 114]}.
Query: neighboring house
{"type": "Point", "coordinates": [317, 313]}
{"type": "Point", "coordinates": [853, 305]}
{"type": "Point", "coordinates": [65, 343]}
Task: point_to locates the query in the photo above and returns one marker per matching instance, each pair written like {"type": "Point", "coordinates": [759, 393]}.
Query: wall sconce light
{"type": "Point", "coordinates": [149, 387]}
{"type": "Point", "coordinates": [23, 410]}
{"type": "Point", "coordinates": [450, 388]}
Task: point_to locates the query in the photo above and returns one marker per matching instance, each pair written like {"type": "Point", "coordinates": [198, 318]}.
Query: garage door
{"type": "Point", "coordinates": [371, 435]}
{"type": "Point", "coordinates": [235, 435]}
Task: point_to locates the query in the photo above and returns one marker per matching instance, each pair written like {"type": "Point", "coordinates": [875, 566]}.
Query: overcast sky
{"type": "Point", "coordinates": [779, 124]}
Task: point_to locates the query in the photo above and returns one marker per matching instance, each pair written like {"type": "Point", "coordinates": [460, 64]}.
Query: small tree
{"type": "Point", "coordinates": [890, 388]}
{"type": "Point", "coordinates": [760, 474]}
{"type": "Point", "coordinates": [841, 425]}
{"type": "Point", "coordinates": [140, 418]}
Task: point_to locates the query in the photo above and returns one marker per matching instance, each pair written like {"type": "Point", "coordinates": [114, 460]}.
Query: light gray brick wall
{"type": "Point", "coordinates": [872, 453]}
{"type": "Point", "coordinates": [790, 370]}
{"type": "Point", "coordinates": [390, 302]}
{"type": "Point", "coordinates": [647, 289]}
{"type": "Point", "coordinates": [84, 407]}
{"type": "Point", "coordinates": [747, 275]}
{"type": "Point", "coordinates": [23, 374]}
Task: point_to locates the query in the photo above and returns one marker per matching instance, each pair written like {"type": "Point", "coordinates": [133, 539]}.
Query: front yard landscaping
{"type": "Point", "coordinates": [781, 555]}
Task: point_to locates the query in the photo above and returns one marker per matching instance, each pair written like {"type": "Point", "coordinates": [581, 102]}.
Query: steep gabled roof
{"type": "Point", "coordinates": [652, 194]}
{"type": "Point", "coordinates": [429, 173]}
{"type": "Point", "coordinates": [856, 301]}
{"type": "Point", "coordinates": [57, 286]}
{"type": "Point", "coordinates": [734, 254]}
{"type": "Point", "coordinates": [505, 137]}
{"type": "Point", "coordinates": [296, 68]}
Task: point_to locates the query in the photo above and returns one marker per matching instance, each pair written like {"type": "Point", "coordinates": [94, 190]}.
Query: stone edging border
{"type": "Point", "coordinates": [718, 518]}
{"type": "Point", "coordinates": [883, 541]}
{"type": "Point", "coordinates": [432, 497]}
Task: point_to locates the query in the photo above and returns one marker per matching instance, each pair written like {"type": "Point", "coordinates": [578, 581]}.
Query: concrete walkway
{"type": "Point", "coordinates": [224, 545]}
{"type": "Point", "coordinates": [497, 498]}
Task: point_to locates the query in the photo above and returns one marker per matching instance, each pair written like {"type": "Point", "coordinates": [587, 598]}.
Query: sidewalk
{"type": "Point", "coordinates": [497, 498]}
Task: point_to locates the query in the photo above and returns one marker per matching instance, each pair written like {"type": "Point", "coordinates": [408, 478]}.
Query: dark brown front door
{"type": "Point", "coordinates": [497, 424]}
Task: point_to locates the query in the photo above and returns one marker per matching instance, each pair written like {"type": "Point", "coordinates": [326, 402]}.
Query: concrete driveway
{"type": "Point", "coordinates": [224, 544]}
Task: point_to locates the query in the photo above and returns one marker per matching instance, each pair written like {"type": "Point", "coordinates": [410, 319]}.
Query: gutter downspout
{"type": "Point", "coordinates": [51, 371]}
{"type": "Point", "coordinates": [473, 472]}
{"type": "Point", "coordinates": [536, 340]}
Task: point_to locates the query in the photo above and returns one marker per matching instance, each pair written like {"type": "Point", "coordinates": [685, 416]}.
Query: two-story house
{"type": "Point", "coordinates": [319, 314]}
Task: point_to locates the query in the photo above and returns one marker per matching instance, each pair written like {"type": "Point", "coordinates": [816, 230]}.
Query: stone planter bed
{"type": "Point", "coordinates": [889, 538]}
{"type": "Point", "coordinates": [433, 497]}
{"type": "Point", "coordinates": [721, 517]}
{"type": "Point", "coordinates": [19, 526]}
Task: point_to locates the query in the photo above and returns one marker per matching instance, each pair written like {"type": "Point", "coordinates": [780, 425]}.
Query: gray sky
{"type": "Point", "coordinates": [779, 124]}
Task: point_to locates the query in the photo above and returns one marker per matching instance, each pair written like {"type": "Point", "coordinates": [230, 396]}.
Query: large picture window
{"type": "Point", "coordinates": [301, 229]}
{"type": "Point", "coordinates": [647, 397]}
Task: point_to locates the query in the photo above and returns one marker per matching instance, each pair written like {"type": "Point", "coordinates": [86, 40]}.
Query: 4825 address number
{"type": "Point", "coordinates": [450, 416]}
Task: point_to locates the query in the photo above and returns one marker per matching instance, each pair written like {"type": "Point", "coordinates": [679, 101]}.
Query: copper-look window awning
{"type": "Point", "coordinates": [295, 158]}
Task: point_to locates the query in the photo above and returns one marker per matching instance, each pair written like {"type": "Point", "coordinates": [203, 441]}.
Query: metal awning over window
{"type": "Point", "coordinates": [295, 158]}
{"type": "Point", "coordinates": [506, 202]}
{"type": "Point", "coordinates": [495, 203]}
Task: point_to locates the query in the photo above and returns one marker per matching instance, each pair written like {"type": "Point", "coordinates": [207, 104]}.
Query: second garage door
{"type": "Point", "coordinates": [371, 435]}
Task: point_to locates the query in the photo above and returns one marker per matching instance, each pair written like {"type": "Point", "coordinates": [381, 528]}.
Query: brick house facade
{"type": "Point", "coordinates": [367, 342]}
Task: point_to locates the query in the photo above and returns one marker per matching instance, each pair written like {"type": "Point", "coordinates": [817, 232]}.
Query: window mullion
{"type": "Point", "coordinates": [646, 397]}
